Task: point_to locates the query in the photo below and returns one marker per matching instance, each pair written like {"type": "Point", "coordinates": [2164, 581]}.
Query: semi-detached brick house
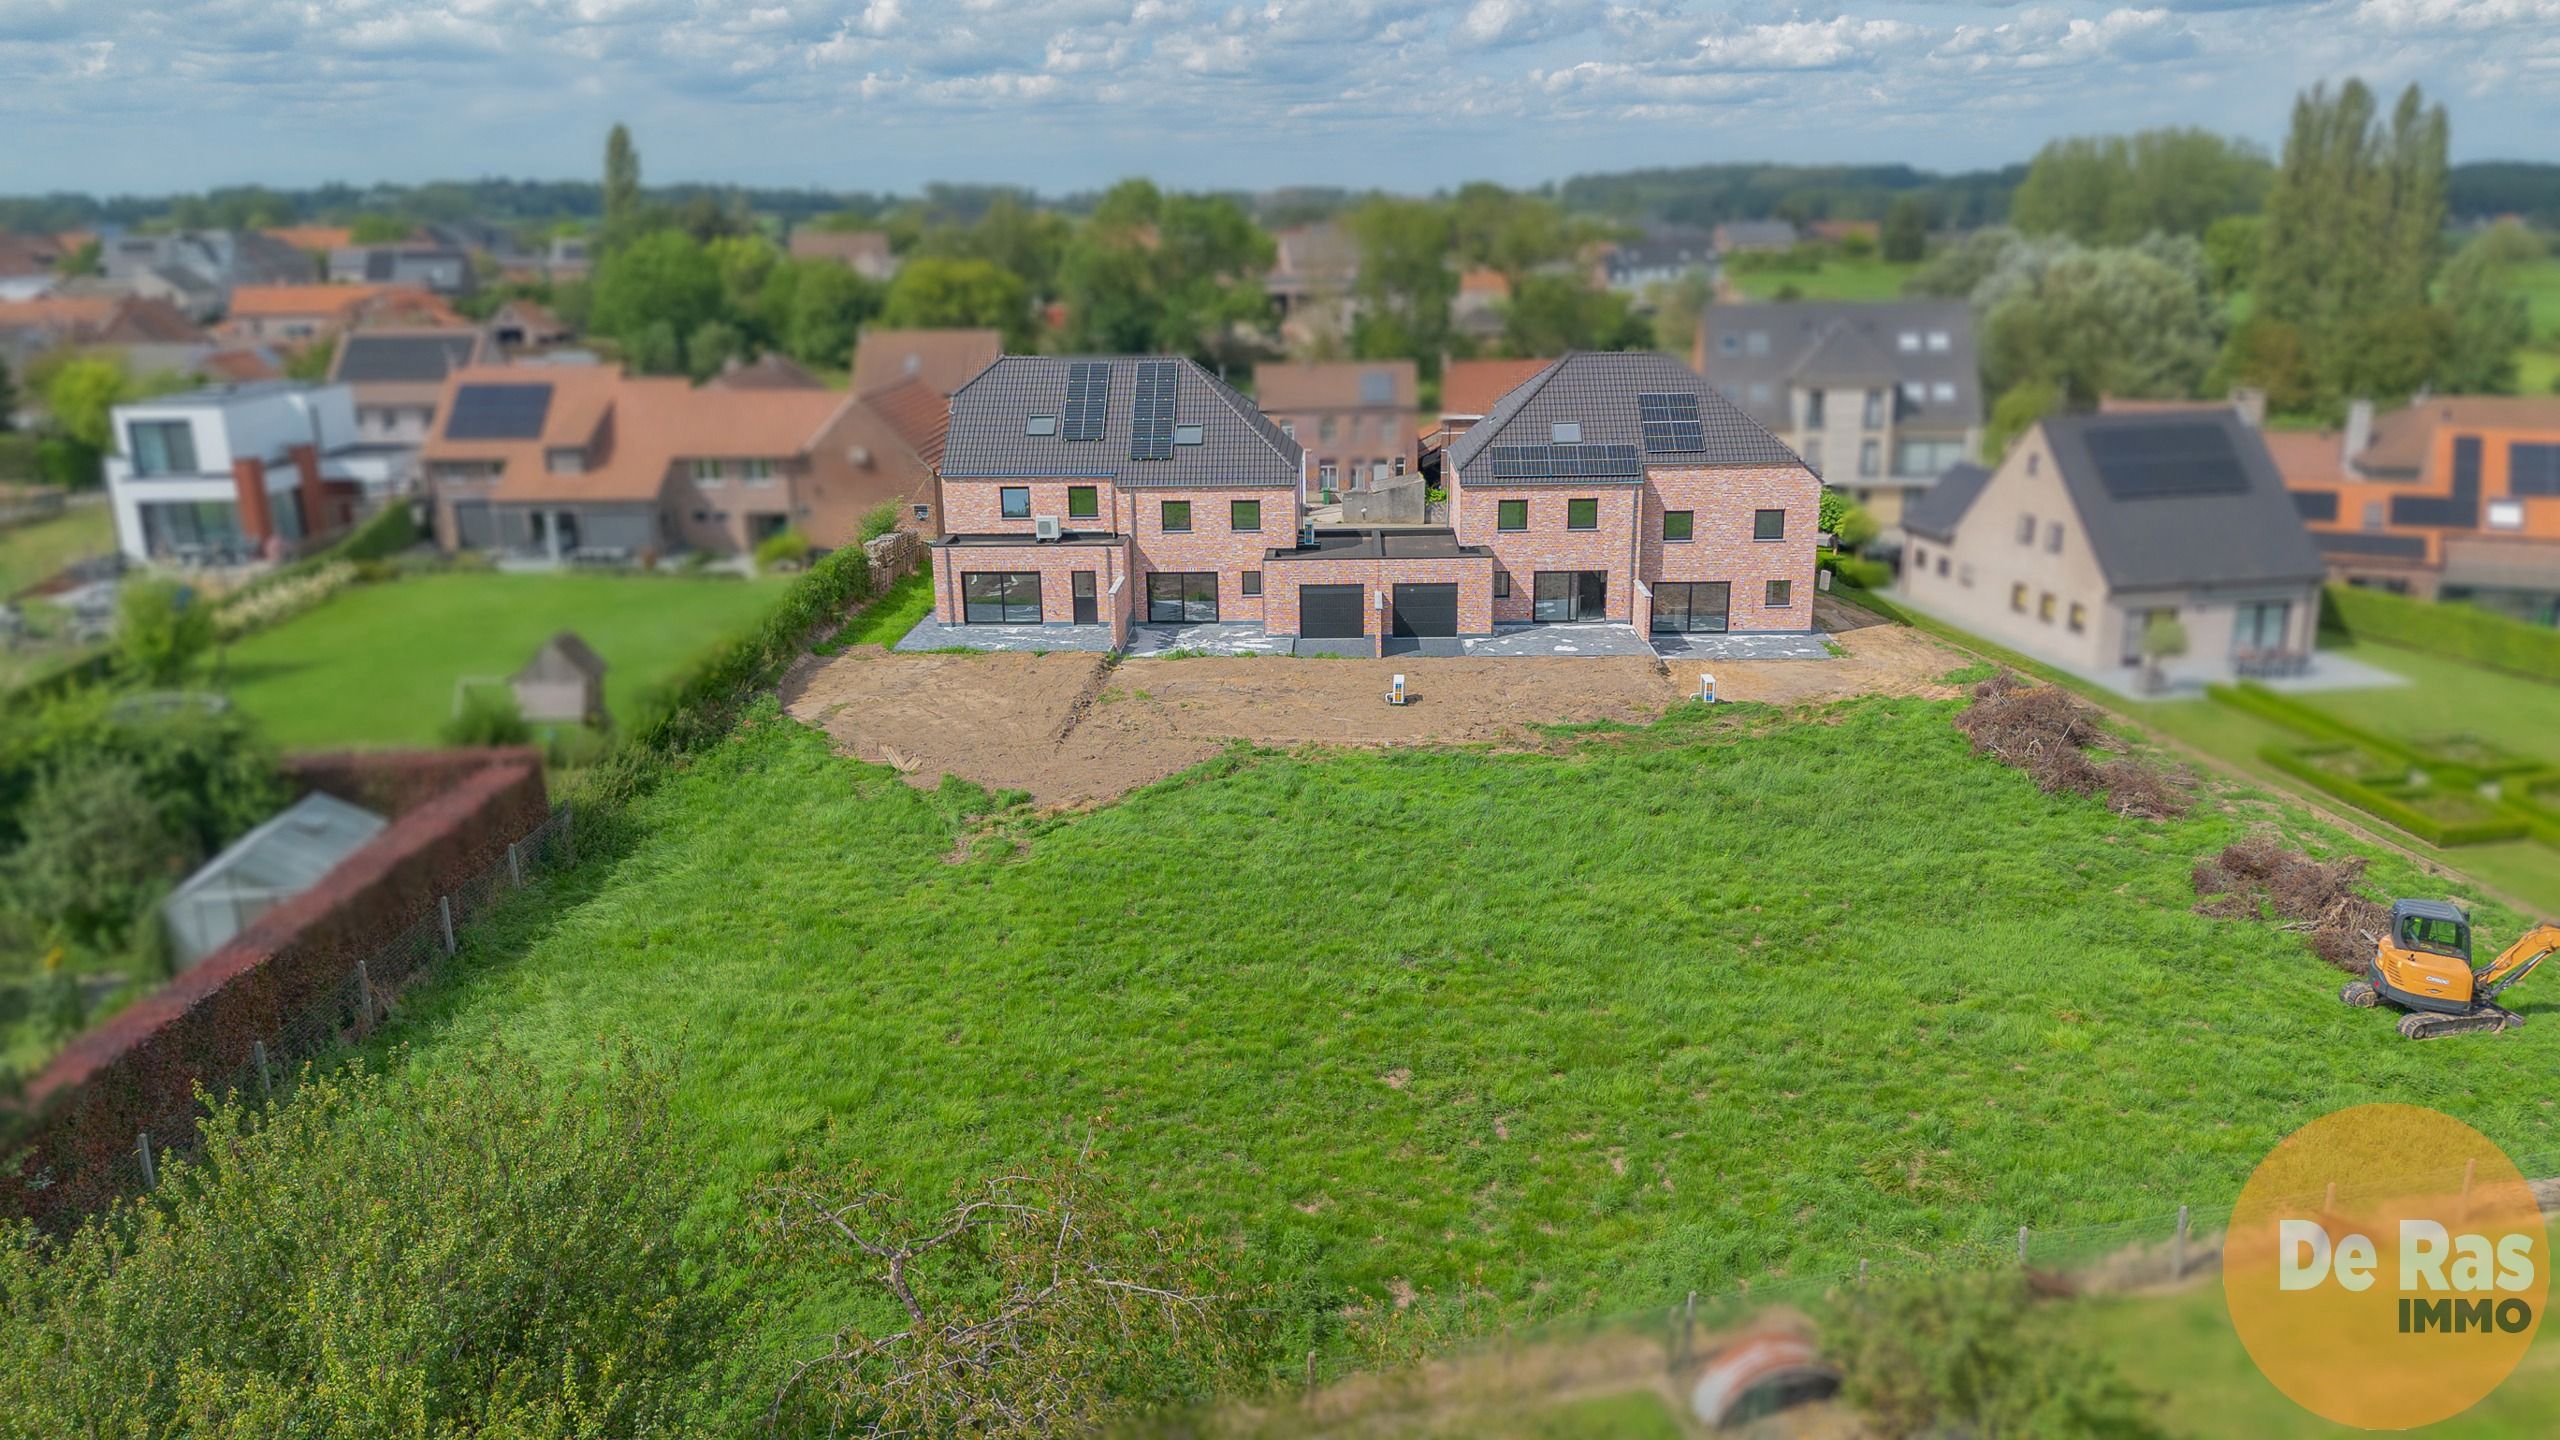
{"type": "Point", "coordinates": [1604, 488]}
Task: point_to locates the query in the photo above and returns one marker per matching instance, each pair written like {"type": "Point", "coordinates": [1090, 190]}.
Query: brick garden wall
{"type": "Point", "coordinates": [454, 813]}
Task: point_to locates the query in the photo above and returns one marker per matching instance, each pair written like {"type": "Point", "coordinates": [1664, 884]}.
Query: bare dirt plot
{"type": "Point", "coordinates": [1071, 729]}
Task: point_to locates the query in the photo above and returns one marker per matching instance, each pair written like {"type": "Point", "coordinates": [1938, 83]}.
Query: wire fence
{"type": "Point", "coordinates": [346, 1013]}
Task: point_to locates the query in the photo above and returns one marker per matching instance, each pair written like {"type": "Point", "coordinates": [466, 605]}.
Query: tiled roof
{"type": "Point", "coordinates": [772, 370]}
{"type": "Point", "coordinates": [1335, 385]}
{"type": "Point", "coordinates": [1472, 387]}
{"type": "Point", "coordinates": [2252, 535]}
{"type": "Point", "coordinates": [918, 414]}
{"type": "Point", "coordinates": [846, 245]}
{"type": "Point", "coordinates": [1239, 446]}
{"type": "Point", "coordinates": [270, 301]}
{"type": "Point", "coordinates": [656, 422]}
{"type": "Point", "coordinates": [239, 367]}
{"type": "Point", "coordinates": [1933, 513]}
{"type": "Point", "coordinates": [2401, 437]}
{"type": "Point", "coordinates": [1598, 391]}
{"type": "Point", "coordinates": [147, 322]}
{"type": "Point", "coordinates": [943, 359]}
{"type": "Point", "coordinates": [323, 238]}
{"type": "Point", "coordinates": [1755, 352]}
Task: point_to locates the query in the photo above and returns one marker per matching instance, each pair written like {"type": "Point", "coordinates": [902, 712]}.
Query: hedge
{"type": "Point", "coordinates": [2385, 806]}
{"type": "Point", "coordinates": [2464, 632]}
{"type": "Point", "coordinates": [2253, 698]}
{"type": "Point", "coordinates": [383, 534]}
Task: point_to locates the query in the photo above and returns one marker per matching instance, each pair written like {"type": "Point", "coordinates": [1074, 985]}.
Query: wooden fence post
{"type": "Point", "coordinates": [364, 994]}
{"type": "Point", "coordinates": [515, 867]}
{"type": "Point", "coordinates": [2178, 1256]}
{"type": "Point", "coordinates": [2022, 1245]}
{"type": "Point", "coordinates": [444, 912]}
{"type": "Point", "coordinates": [142, 1151]}
{"type": "Point", "coordinates": [266, 1082]}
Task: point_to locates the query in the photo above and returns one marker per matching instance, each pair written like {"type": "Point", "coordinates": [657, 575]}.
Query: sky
{"type": "Point", "coordinates": [150, 96]}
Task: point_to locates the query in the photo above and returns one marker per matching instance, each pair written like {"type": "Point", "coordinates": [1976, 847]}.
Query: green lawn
{"type": "Point", "coordinates": [1837, 279]}
{"type": "Point", "coordinates": [29, 553]}
{"type": "Point", "coordinates": [886, 620]}
{"type": "Point", "coordinates": [377, 664]}
{"type": "Point", "coordinates": [1722, 999]}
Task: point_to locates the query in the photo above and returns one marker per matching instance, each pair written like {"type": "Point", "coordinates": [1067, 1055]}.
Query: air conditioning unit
{"type": "Point", "coordinates": [1044, 527]}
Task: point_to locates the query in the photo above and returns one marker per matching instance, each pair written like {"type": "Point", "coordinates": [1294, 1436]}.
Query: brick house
{"type": "Point", "coordinates": [1355, 419]}
{"type": "Point", "coordinates": [1605, 488]}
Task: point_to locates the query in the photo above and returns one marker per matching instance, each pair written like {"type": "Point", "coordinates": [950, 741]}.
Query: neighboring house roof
{"type": "Point", "coordinates": [633, 429]}
{"type": "Point", "coordinates": [323, 238]}
{"type": "Point", "coordinates": [1838, 230]}
{"type": "Point", "coordinates": [916, 413]}
{"type": "Point", "coordinates": [1599, 393]}
{"type": "Point", "coordinates": [28, 254]}
{"type": "Point", "coordinates": [772, 370]}
{"type": "Point", "coordinates": [1473, 387]}
{"type": "Point", "coordinates": [2180, 500]}
{"type": "Point", "coordinates": [1318, 256]}
{"type": "Point", "coordinates": [990, 423]}
{"type": "Point", "coordinates": [853, 247]}
{"type": "Point", "coordinates": [141, 321]}
{"type": "Point", "coordinates": [274, 302]}
{"type": "Point", "coordinates": [410, 356]}
{"type": "Point", "coordinates": [1755, 235]}
{"type": "Point", "coordinates": [1756, 352]}
{"type": "Point", "coordinates": [1336, 385]}
{"type": "Point", "coordinates": [1670, 250]}
{"type": "Point", "coordinates": [2402, 437]}
{"type": "Point", "coordinates": [1933, 512]}
{"type": "Point", "coordinates": [563, 657]}
{"type": "Point", "coordinates": [240, 367]}
{"type": "Point", "coordinates": [101, 320]}
{"type": "Point", "coordinates": [943, 359]}
{"type": "Point", "coordinates": [1484, 283]}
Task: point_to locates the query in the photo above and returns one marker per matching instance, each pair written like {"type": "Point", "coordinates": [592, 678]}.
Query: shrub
{"type": "Point", "coordinates": [879, 520]}
{"type": "Point", "coordinates": [493, 1253]}
{"type": "Point", "coordinates": [97, 856]}
{"type": "Point", "coordinates": [282, 597]}
{"type": "Point", "coordinates": [161, 628]}
{"type": "Point", "coordinates": [210, 775]}
{"type": "Point", "coordinates": [783, 547]}
{"type": "Point", "coordinates": [1965, 1354]}
{"type": "Point", "coordinates": [2492, 825]}
{"type": "Point", "coordinates": [2462, 631]}
{"type": "Point", "coordinates": [381, 535]}
{"type": "Point", "coordinates": [1863, 573]}
{"type": "Point", "coordinates": [488, 716]}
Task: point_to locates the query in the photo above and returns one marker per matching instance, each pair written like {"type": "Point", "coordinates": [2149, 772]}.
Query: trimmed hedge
{"type": "Point", "coordinates": [384, 533]}
{"type": "Point", "coordinates": [2386, 806]}
{"type": "Point", "coordinates": [2464, 632]}
{"type": "Point", "coordinates": [2425, 753]}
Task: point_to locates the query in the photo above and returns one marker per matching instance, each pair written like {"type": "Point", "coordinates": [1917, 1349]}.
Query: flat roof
{"type": "Point", "coordinates": [1069, 537]}
{"type": "Point", "coordinates": [1428, 544]}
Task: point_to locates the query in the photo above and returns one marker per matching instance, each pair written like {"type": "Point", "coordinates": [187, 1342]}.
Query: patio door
{"type": "Point", "coordinates": [1088, 609]}
{"type": "Point", "coordinates": [1680, 606]}
{"type": "Point", "coordinates": [1000, 597]}
{"type": "Point", "coordinates": [1569, 595]}
{"type": "Point", "coordinates": [1182, 598]}
{"type": "Point", "coordinates": [2260, 626]}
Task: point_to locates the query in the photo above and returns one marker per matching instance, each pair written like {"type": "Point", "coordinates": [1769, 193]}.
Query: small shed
{"type": "Point", "coordinates": [261, 870]}
{"type": "Point", "coordinates": [562, 684]}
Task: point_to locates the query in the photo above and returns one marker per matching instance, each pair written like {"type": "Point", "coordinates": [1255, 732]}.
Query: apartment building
{"type": "Point", "coordinates": [1355, 419]}
{"type": "Point", "coordinates": [234, 473]}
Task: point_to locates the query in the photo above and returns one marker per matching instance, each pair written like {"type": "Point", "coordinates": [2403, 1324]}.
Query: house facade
{"type": "Point", "coordinates": [2448, 497]}
{"type": "Point", "coordinates": [445, 270]}
{"type": "Point", "coordinates": [2092, 525]}
{"type": "Point", "coordinates": [232, 473]}
{"type": "Point", "coordinates": [1879, 398]}
{"type": "Point", "coordinates": [1137, 490]}
{"type": "Point", "coordinates": [1355, 419]}
{"type": "Point", "coordinates": [397, 377]}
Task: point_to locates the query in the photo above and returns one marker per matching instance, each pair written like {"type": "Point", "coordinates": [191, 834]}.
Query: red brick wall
{"type": "Point", "coordinates": [1055, 564]}
{"type": "Point", "coordinates": [973, 507]}
{"type": "Point", "coordinates": [1211, 543]}
{"type": "Point", "coordinates": [1547, 544]}
{"type": "Point", "coordinates": [1722, 503]}
{"type": "Point", "coordinates": [1474, 579]}
{"type": "Point", "coordinates": [136, 1072]}
{"type": "Point", "coordinates": [249, 487]}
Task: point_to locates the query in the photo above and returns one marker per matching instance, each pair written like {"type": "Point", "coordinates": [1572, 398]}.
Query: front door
{"type": "Point", "coordinates": [1088, 609]}
{"type": "Point", "coordinates": [1570, 595]}
{"type": "Point", "coordinates": [568, 527]}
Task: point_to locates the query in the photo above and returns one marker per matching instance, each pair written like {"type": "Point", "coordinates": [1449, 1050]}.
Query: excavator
{"type": "Point", "coordinates": [2423, 966]}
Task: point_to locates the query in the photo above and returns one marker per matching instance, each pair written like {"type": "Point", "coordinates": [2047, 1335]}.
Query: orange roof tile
{"type": "Point", "coordinates": [1470, 387]}
{"type": "Point", "coordinates": [655, 422]}
{"type": "Point", "coordinates": [943, 359]}
{"type": "Point", "coordinates": [313, 237]}
{"type": "Point", "coordinates": [266, 302]}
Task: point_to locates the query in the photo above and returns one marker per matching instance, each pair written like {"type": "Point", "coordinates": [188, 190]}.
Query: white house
{"type": "Point", "coordinates": [231, 473]}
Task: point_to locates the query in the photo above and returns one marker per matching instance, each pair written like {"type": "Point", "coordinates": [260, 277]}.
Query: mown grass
{"type": "Point", "coordinates": [29, 553]}
{"type": "Point", "coordinates": [377, 664]}
{"type": "Point", "coordinates": [1837, 278]}
{"type": "Point", "coordinates": [887, 620]}
{"type": "Point", "coordinates": [1729, 997]}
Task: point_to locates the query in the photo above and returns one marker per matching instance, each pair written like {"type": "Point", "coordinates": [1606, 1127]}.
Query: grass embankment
{"type": "Point", "coordinates": [1671, 1008]}
{"type": "Point", "coordinates": [887, 620]}
{"type": "Point", "coordinates": [29, 553]}
{"type": "Point", "coordinates": [377, 664]}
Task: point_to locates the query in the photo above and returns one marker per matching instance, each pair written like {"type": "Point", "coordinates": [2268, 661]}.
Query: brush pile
{"type": "Point", "coordinates": [2259, 879]}
{"type": "Point", "coordinates": [2047, 732]}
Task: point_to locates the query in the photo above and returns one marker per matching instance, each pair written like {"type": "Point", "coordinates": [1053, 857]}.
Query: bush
{"type": "Point", "coordinates": [161, 628]}
{"type": "Point", "coordinates": [98, 855]}
{"type": "Point", "coordinates": [880, 519]}
{"type": "Point", "coordinates": [1966, 1354]}
{"type": "Point", "coordinates": [2393, 807]}
{"type": "Point", "coordinates": [210, 776]}
{"type": "Point", "coordinates": [488, 717]}
{"type": "Point", "coordinates": [2462, 631]}
{"type": "Point", "coordinates": [490, 1253]}
{"type": "Point", "coordinates": [381, 535]}
{"type": "Point", "coordinates": [784, 547]}
{"type": "Point", "coordinates": [1863, 573]}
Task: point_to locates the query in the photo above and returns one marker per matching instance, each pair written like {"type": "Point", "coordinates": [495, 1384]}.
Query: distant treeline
{"type": "Point", "coordinates": [1705, 195]}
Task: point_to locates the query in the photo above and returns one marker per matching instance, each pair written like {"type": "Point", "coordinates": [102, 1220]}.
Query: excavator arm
{"type": "Point", "coordinates": [2516, 961]}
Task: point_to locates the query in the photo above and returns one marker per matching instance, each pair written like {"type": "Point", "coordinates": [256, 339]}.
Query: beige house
{"type": "Point", "coordinates": [2094, 524]}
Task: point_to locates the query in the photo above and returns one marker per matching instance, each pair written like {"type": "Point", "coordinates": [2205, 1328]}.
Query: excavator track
{"type": "Point", "coordinates": [2424, 1025]}
{"type": "Point", "coordinates": [2361, 994]}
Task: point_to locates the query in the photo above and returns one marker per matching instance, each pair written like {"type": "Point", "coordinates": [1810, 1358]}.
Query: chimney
{"type": "Point", "coordinates": [2359, 430]}
{"type": "Point", "coordinates": [2252, 405]}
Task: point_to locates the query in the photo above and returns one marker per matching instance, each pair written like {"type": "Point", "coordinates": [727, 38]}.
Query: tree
{"type": "Point", "coordinates": [938, 293]}
{"type": "Point", "coordinates": [622, 200]}
{"type": "Point", "coordinates": [96, 855]}
{"type": "Point", "coordinates": [1967, 1354]}
{"type": "Point", "coordinates": [2115, 189]}
{"type": "Point", "coordinates": [1551, 314]}
{"type": "Point", "coordinates": [1406, 283]}
{"type": "Point", "coordinates": [1845, 520]}
{"type": "Point", "coordinates": [1906, 229]}
{"type": "Point", "coordinates": [2163, 639]}
{"type": "Point", "coordinates": [161, 629]}
{"type": "Point", "coordinates": [2268, 355]}
{"type": "Point", "coordinates": [8, 399]}
{"type": "Point", "coordinates": [1499, 229]}
{"type": "Point", "coordinates": [89, 257]}
{"type": "Point", "coordinates": [1955, 272]}
{"type": "Point", "coordinates": [1678, 306]}
{"type": "Point", "coordinates": [377, 229]}
{"type": "Point", "coordinates": [2133, 321]}
{"type": "Point", "coordinates": [711, 346]}
{"type": "Point", "coordinates": [662, 278]}
{"type": "Point", "coordinates": [81, 395]}
{"type": "Point", "coordinates": [1152, 271]}
{"type": "Point", "coordinates": [2016, 412]}
{"type": "Point", "coordinates": [2232, 245]}
{"type": "Point", "coordinates": [2487, 318]}
{"type": "Point", "coordinates": [824, 307]}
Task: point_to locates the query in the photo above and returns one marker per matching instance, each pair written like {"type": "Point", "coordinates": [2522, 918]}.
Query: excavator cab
{"type": "Point", "coordinates": [2422, 965]}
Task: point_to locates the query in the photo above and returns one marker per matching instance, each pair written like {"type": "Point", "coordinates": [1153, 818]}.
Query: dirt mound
{"type": "Point", "coordinates": [2050, 734]}
{"type": "Point", "coordinates": [2257, 878]}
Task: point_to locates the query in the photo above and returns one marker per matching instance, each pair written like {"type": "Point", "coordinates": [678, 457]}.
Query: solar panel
{"type": "Point", "coordinates": [1151, 412]}
{"type": "Point", "coordinates": [1670, 422]}
{"type": "Point", "coordinates": [1564, 462]}
{"type": "Point", "coordinates": [498, 412]}
{"type": "Point", "coordinates": [2148, 462]}
{"type": "Point", "coordinates": [1088, 390]}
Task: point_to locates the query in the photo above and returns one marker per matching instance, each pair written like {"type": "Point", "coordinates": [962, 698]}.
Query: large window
{"type": "Point", "coordinates": [1925, 457]}
{"type": "Point", "coordinates": [163, 447]}
{"type": "Point", "coordinates": [1678, 524]}
{"type": "Point", "coordinates": [1177, 516]}
{"type": "Point", "coordinates": [1511, 515]}
{"type": "Point", "coordinates": [1582, 514]}
{"type": "Point", "coordinates": [1768, 524]}
{"type": "Point", "coordinates": [1084, 502]}
{"type": "Point", "coordinates": [1016, 500]}
{"type": "Point", "coordinates": [1706, 606]}
{"type": "Point", "coordinates": [2261, 626]}
{"type": "Point", "coordinates": [1189, 598]}
{"type": "Point", "coordinates": [1244, 514]}
{"type": "Point", "coordinates": [1570, 595]}
{"type": "Point", "coordinates": [1874, 416]}
{"type": "Point", "coordinates": [1000, 598]}
{"type": "Point", "coordinates": [175, 526]}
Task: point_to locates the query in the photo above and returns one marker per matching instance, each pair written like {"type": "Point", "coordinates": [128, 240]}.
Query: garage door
{"type": "Point", "coordinates": [1426, 610]}
{"type": "Point", "coordinates": [1331, 612]}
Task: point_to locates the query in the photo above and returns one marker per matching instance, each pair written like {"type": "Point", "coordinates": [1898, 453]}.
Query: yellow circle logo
{"type": "Point", "coordinates": [2386, 1267]}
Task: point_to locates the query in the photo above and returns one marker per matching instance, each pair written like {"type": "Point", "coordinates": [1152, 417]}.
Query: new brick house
{"type": "Point", "coordinates": [1135, 490]}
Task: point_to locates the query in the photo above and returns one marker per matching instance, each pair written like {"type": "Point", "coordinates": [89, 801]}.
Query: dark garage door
{"type": "Point", "coordinates": [1330, 612]}
{"type": "Point", "coordinates": [1426, 610]}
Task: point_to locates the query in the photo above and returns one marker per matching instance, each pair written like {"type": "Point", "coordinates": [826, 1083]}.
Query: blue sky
{"type": "Point", "coordinates": [154, 95]}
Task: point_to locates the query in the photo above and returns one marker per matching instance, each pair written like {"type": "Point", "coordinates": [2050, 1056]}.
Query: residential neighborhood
{"type": "Point", "coordinates": [691, 699]}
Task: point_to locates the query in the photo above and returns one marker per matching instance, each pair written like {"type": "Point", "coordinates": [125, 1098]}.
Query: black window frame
{"type": "Point", "coordinates": [1778, 595]}
{"type": "Point", "coordinates": [1502, 512]}
{"type": "Point", "coordinates": [1092, 497]}
{"type": "Point", "coordinates": [1235, 516]}
{"type": "Point", "coordinates": [1164, 516]}
{"type": "Point", "coordinates": [1581, 599]}
{"type": "Point", "coordinates": [1587, 504]}
{"type": "Point", "coordinates": [1249, 584]}
{"type": "Point", "coordinates": [1005, 503]}
{"type": "Point", "coordinates": [1501, 584]}
{"type": "Point", "coordinates": [1007, 598]}
{"type": "Point", "coordinates": [1192, 602]}
{"type": "Point", "coordinates": [1760, 530]}
{"type": "Point", "coordinates": [1688, 526]}
{"type": "Point", "coordinates": [1676, 611]}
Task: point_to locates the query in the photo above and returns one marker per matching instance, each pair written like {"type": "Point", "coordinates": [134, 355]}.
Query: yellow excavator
{"type": "Point", "coordinates": [2423, 966]}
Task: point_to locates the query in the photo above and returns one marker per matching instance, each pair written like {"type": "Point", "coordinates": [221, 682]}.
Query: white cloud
{"type": "Point", "coordinates": [1804, 44]}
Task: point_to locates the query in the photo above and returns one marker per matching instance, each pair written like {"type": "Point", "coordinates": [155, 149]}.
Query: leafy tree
{"type": "Point", "coordinates": [2232, 245]}
{"type": "Point", "coordinates": [2016, 412]}
{"type": "Point", "coordinates": [2099, 322]}
{"type": "Point", "coordinates": [488, 715]}
{"type": "Point", "coordinates": [311, 362]}
{"type": "Point", "coordinates": [824, 307]}
{"type": "Point", "coordinates": [493, 1252]}
{"type": "Point", "coordinates": [1406, 284]}
{"type": "Point", "coordinates": [711, 346]}
{"type": "Point", "coordinates": [1967, 1354]}
{"type": "Point", "coordinates": [1955, 272]}
{"type": "Point", "coordinates": [2269, 354]}
{"type": "Point", "coordinates": [81, 394]}
{"type": "Point", "coordinates": [1012, 236]}
{"type": "Point", "coordinates": [97, 855]}
{"type": "Point", "coordinates": [1178, 273]}
{"type": "Point", "coordinates": [1550, 314]}
{"type": "Point", "coordinates": [2164, 639]}
{"type": "Point", "coordinates": [935, 293]}
{"type": "Point", "coordinates": [662, 278]}
{"type": "Point", "coordinates": [2485, 310]}
{"type": "Point", "coordinates": [1505, 230]}
{"type": "Point", "coordinates": [1845, 520]}
{"type": "Point", "coordinates": [1906, 229]}
{"type": "Point", "coordinates": [2115, 189]}
{"type": "Point", "coordinates": [622, 202]}
{"type": "Point", "coordinates": [656, 350]}
{"type": "Point", "coordinates": [746, 264]}
{"type": "Point", "coordinates": [378, 229]}
{"type": "Point", "coordinates": [89, 257]}
{"type": "Point", "coordinates": [162, 627]}
{"type": "Point", "coordinates": [1678, 307]}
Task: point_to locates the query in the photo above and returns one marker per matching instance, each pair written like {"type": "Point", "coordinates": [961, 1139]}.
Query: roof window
{"type": "Point", "coordinates": [1040, 425]}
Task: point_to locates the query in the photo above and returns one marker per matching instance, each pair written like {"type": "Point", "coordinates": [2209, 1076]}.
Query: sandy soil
{"type": "Point", "coordinates": [1073, 730]}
